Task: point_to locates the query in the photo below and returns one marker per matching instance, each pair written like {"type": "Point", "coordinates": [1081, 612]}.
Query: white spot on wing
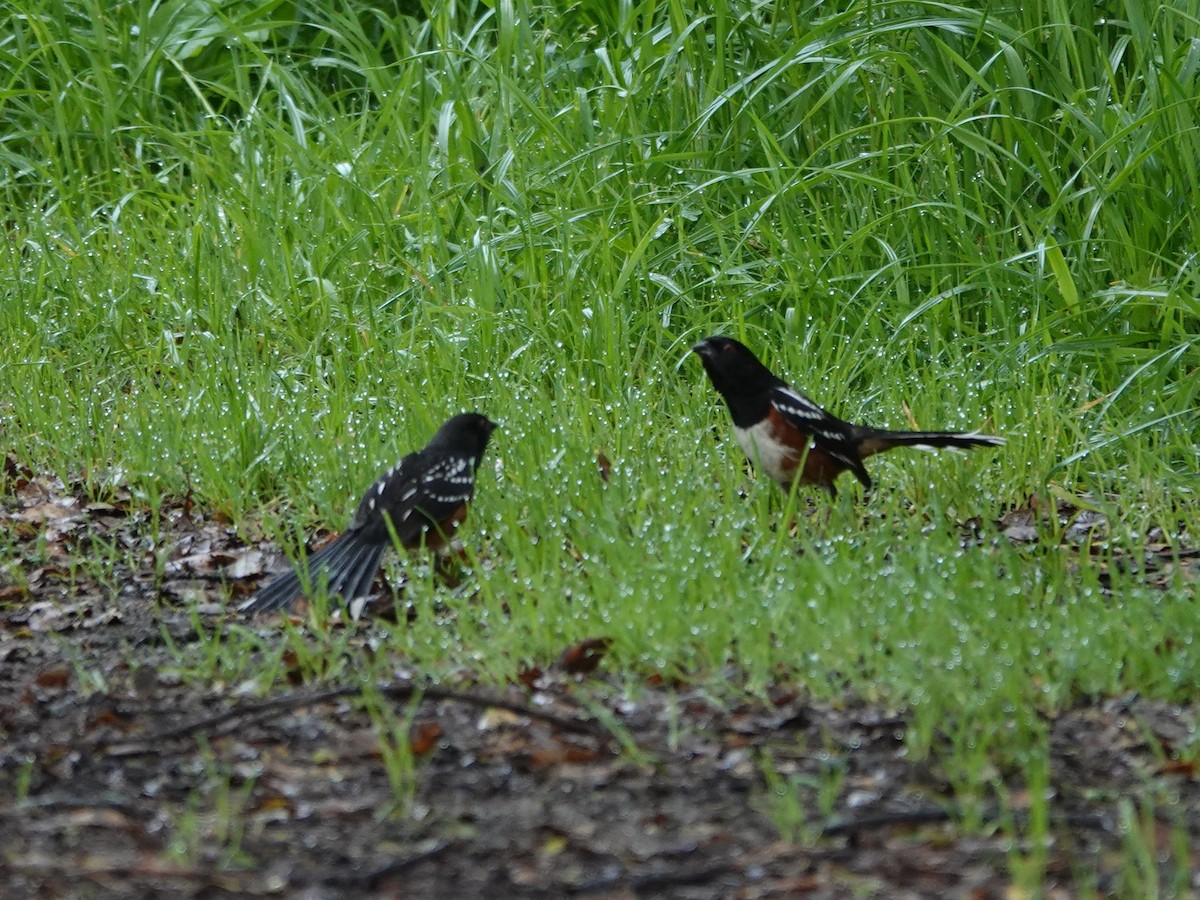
{"type": "Point", "coordinates": [793, 403]}
{"type": "Point", "coordinates": [833, 437]}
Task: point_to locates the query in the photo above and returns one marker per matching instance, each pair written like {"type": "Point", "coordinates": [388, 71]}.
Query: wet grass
{"type": "Point", "coordinates": [256, 260]}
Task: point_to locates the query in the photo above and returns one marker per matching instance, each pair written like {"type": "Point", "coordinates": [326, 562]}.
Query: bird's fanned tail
{"type": "Point", "coordinates": [347, 566]}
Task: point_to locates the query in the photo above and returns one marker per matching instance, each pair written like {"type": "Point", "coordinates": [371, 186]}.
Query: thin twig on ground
{"type": "Point", "coordinates": [264, 710]}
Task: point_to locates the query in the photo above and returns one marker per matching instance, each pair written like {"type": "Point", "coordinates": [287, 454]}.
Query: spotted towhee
{"type": "Point", "coordinates": [422, 499]}
{"type": "Point", "coordinates": [792, 438]}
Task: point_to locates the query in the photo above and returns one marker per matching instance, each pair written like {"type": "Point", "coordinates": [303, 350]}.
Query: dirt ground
{"type": "Point", "coordinates": [119, 780]}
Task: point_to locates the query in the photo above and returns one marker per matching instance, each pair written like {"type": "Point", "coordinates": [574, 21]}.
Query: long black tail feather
{"type": "Point", "coordinates": [880, 439]}
{"type": "Point", "coordinates": [348, 567]}
{"type": "Point", "coordinates": [361, 573]}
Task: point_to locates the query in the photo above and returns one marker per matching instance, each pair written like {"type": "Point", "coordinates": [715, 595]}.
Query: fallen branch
{"type": "Point", "coordinates": [233, 880]}
{"type": "Point", "coordinates": [930, 815]}
{"type": "Point", "coordinates": [657, 881]}
{"type": "Point", "coordinates": [264, 710]}
{"type": "Point", "coordinates": [653, 882]}
{"type": "Point", "coordinates": [872, 821]}
{"type": "Point", "coordinates": [380, 875]}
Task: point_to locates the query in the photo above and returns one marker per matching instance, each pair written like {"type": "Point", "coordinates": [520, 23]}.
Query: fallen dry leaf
{"type": "Point", "coordinates": [56, 677]}
{"type": "Point", "coordinates": [1186, 767]}
{"type": "Point", "coordinates": [13, 592]}
{"type": "Point", "coordinates": [16, 471]}
{"type": "Point", "coordinates": [529, 676]}
{"type": "Point", "coordinates": [52, 511]}
{"type": "Point", "coordinates": [583, 658]}
{"type": "Point", "coordinates": [424, 737]}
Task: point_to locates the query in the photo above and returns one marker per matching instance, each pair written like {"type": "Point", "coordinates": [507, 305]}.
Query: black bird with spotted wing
{"type": "Point", "coordinates": [422, 499]}
{"type": "Point", "coordinates": [792, 438]}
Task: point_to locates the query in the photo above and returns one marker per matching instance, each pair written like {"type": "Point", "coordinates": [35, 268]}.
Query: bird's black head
{"type": "Point", "coordinates": [466, 433]}
{"type": "Point", "coordinates": [741, 379]}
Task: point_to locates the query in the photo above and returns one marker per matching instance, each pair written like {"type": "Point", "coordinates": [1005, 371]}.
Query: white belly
{"type": "Point", "coordinates": [773, 457]}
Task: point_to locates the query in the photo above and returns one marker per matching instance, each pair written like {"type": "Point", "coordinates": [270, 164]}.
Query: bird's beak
{"type": "Point", "coordinates": [702, 349]}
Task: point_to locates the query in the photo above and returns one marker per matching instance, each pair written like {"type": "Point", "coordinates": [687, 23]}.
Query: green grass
{"type": "Point", "coordinates": [258, 252]}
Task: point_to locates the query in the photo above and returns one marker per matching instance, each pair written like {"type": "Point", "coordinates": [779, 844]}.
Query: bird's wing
{"type": "Point", "coordinates": [831, 434]}
{"type": "Point", "coordinates": [422, 488]}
